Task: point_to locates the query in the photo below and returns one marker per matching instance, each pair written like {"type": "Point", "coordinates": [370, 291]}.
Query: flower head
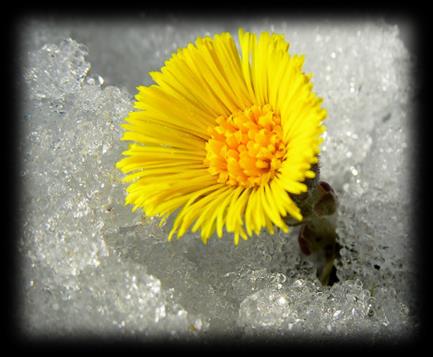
{"type": "Point", "coordinates": [224, 139]}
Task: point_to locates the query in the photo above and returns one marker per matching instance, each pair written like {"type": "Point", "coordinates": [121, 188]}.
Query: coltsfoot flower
{"type": "Point", "coordinates": [224, 138]}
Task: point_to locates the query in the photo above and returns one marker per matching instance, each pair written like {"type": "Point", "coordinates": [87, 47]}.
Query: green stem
{"type": "Point", "coordinates": [317, 236]}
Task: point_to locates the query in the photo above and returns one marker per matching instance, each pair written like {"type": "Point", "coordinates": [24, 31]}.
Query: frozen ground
{"type": "Point", "coordinates": [90, 266]}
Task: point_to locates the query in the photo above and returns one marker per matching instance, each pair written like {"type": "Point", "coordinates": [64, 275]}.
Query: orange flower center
{"type": "Point", "coordinates": [246, 149]}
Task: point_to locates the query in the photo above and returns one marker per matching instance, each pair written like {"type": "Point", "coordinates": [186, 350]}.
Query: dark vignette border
{"type": "Point", "coordinates": [415, 15]}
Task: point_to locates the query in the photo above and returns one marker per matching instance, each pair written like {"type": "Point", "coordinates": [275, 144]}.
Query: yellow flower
{"type": "Point", "coordinates": [224, 138]}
